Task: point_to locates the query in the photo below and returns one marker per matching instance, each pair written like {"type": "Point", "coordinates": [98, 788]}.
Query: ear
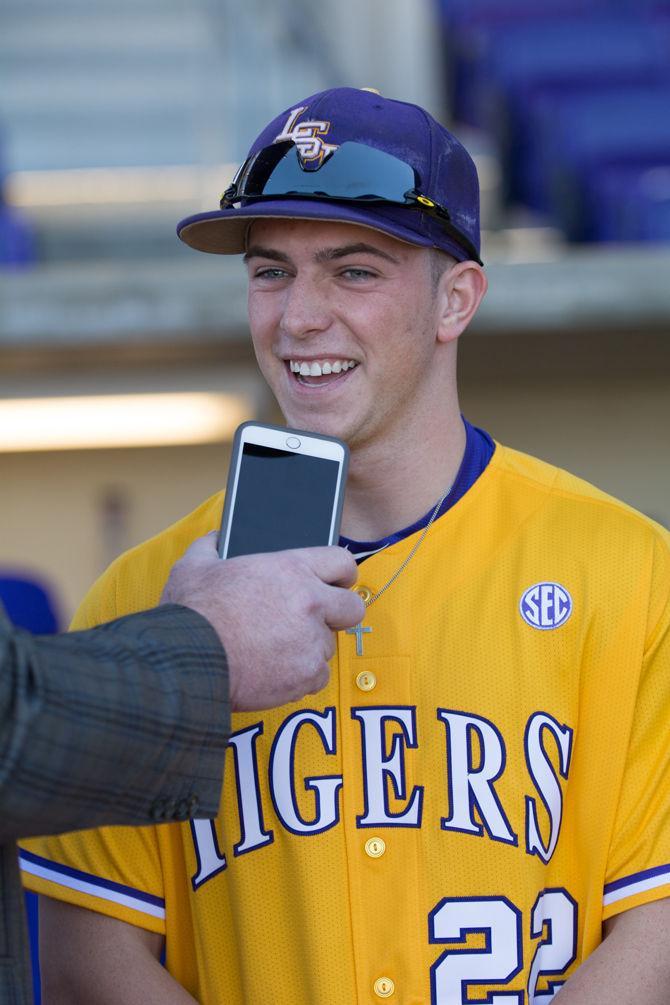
{"type": "Point", "coordinates": [459, 294]}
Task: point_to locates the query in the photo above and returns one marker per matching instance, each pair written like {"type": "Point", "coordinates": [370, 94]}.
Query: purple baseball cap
{"type": "Point", "coordinates": [351, 156]}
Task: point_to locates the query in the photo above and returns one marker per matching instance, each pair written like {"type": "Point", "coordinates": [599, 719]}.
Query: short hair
{"type": "Point", "coordinates": [440, 262]}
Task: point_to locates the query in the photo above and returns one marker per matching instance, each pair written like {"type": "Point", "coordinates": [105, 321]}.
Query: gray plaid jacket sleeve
{"type": "Point", "coordinates": [124, 724]}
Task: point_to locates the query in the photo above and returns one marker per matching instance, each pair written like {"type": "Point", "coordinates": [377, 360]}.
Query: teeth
{"type": "Point", "coordinates": [318, 368]}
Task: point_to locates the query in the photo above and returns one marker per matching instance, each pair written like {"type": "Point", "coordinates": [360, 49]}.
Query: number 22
{"type": "Point", "coordinates": [501, 958]}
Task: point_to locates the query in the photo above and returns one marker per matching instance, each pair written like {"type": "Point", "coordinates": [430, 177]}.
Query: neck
{"type": "Point", "coordinates": [391, 488]}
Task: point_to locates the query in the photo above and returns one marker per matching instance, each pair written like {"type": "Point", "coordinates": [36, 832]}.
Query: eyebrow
{"type": "Point", "coordinates": [256, 251]}
{"type": "Point", "coordinates": [324, 255]}
{"type": "Point", "coordinates": [331, 254]}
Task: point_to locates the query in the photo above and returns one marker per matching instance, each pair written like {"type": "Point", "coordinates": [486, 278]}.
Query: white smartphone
{"type": "Point", "coordinates": [285, 490]}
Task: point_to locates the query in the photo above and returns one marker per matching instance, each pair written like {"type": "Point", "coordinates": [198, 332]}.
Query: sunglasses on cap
{"type": "Point", "coordinates": [353, 172]}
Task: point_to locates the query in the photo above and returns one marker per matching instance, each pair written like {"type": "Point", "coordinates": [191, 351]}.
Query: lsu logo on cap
{"type": "Point", "coordinates": [545, 606]}
{"type": "Point", "coordinates": [307, 137]}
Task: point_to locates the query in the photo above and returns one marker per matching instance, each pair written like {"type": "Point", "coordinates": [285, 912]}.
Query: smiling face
{"type": "Point", "coordinates": [344, 321]}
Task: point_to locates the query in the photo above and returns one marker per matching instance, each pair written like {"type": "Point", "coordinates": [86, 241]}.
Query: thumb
{"type": "Point", "coordinates": [204, 547]}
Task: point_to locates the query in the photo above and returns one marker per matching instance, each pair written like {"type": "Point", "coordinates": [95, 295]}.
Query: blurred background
{"type": "Point", "coordinates": [125, 362]}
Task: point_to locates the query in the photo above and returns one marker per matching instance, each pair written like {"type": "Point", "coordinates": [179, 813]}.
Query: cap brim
{"type": "Point", "coordinates": [224, 232]}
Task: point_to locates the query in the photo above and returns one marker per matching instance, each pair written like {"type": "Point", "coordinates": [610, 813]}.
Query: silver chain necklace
{"type": "Point", "coordinates": [359, 630]}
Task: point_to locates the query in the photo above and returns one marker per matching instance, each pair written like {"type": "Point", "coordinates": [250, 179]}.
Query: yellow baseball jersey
{"type": "Point", "coordinates": [457, 812]}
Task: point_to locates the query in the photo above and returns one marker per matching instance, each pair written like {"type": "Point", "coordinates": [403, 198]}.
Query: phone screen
{"type": "Point", "coordinates": [283, 500]}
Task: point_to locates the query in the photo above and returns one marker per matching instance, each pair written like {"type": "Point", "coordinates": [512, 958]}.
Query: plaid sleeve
{"type": "Point", "coordinates": [125, 723]}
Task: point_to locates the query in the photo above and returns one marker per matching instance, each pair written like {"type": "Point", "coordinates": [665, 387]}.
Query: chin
{"type": "Point", "coordinates": [316, 422]}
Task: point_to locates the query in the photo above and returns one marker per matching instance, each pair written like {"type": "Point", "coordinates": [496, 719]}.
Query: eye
{"type": "Point", "coordinates": [270, 273]}
{"type": "Point", "coordinates": [357, 272]}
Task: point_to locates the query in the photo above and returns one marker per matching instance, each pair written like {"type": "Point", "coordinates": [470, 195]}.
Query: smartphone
{"type": "Point", "coordinates": [285, 490]}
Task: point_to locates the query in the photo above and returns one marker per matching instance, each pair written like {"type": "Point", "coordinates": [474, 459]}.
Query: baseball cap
{"type": "Point", "coordinates": [351, 156]}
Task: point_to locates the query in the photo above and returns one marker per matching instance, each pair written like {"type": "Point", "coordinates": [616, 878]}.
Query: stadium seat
{"type": "Point", "coordinates": [630, 203]}
{"type": "Point", "coordinates": [495, 12]}
{"type": "Point", "coordinates": [470, 32]}
{"type": "Point", "coordinates": [578, 135]}
{"type": "Point", "coordinates": [648, 6]}
{"type": "Point", "coordinates": [18, 245]}
{"type": "Point", "coordinates": [32, 912]}
{"type": "Point", "coordinates": [17, 236]}
{"type": "Point", "coordinates": [655, 221]}
{"type": "Point", "coordinates": [559, 57]}
{"type": "Point", "coordinates": [574, 94]}
{"type": "Point", "coordinates": [28, 602]}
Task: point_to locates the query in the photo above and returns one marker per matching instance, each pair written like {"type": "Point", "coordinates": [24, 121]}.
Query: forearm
{"type": "Point", "coordinates": [98, 724]}
{"type": "Point", "coordinates": [631, 966]}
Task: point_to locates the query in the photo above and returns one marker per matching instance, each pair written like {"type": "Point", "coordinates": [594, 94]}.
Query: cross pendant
{"type": "Point", "coordinates": [358, 631]}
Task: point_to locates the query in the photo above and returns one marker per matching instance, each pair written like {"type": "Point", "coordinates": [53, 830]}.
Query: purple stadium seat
{"type": "Point", "coordinates": [630, 202]}
{"type": "Point", "coordinates": [580, 135]}
{"type": "Point", "coordinates": [576, 95]}
{"type": "Point", "coordinates": [28, 602]}
{"type": "Point", "coordinates": [490, 12]}
{"type": "Point", "coordinates": [17, 236]}
{"type": "Point", "coordinates": [648, 6]}
{"type": "Point", "coordinates": [470, 31]}
{"type": "Point", "coordinates": [18, 246]}
{"type": "Point", "coordinates": [559, 58]}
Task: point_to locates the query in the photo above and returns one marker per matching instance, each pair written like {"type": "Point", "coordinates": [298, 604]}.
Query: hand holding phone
{"type": "Point", "coordinates": [274, 615]}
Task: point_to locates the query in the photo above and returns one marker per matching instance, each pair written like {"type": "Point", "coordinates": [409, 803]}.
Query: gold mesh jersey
{"type": "Point", "coordinates": [459, 810]}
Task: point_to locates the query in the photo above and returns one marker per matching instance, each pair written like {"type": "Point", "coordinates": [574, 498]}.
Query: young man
{"type": "Point", "coordinates": [478, 801]}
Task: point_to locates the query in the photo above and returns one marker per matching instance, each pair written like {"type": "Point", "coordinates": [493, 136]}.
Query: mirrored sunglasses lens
{"type": "Point", "coordinates": [354, 171]}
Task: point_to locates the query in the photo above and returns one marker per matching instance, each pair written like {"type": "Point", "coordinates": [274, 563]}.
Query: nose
{"type": "Point", "coordinates": [305, 311]}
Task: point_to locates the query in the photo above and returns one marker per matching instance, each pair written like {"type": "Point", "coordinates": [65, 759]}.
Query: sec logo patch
{"type": "Point", "coordinates": [545, 606]}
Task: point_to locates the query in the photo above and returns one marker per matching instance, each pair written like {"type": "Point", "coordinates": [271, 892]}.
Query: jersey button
{"type": "Point", "coordinates": [384, 987]}
{"type": "Point", "coordinates": [364, 593]}
{"type": "Point", "coordinates": [375, 847]}
{"type": "Point", "coordinates": [366, 680]}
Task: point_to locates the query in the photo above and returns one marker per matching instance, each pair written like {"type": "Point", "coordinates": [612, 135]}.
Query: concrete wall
{"type": "Point", "coordinates": [615, 433]}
